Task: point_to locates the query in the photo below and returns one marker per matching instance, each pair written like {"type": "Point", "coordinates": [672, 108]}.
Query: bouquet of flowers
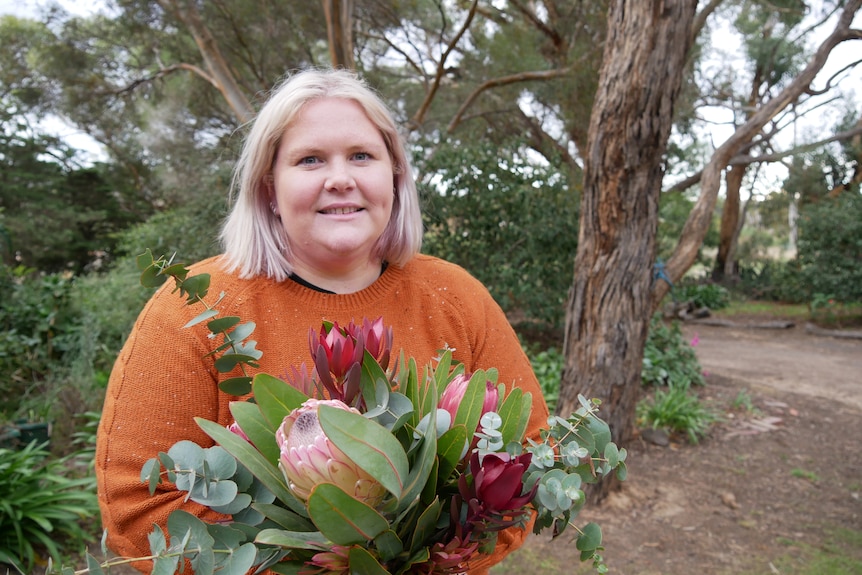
{"type": "Point", "coordinates": [356, 466]}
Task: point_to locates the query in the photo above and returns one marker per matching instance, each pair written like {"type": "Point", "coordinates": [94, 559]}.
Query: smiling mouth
{"type": "Point", "coordinates": [340, 211]}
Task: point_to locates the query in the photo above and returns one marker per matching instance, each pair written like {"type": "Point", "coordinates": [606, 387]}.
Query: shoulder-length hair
{"type": "Point", "coordinates": [253, 238]}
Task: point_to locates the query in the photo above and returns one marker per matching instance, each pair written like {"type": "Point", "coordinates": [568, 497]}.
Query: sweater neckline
{"type": "Point", "coordinates": [383, 287]}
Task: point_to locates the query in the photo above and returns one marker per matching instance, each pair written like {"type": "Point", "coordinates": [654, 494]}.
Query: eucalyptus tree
{"type": "Point", "coordinates": [615, 288]}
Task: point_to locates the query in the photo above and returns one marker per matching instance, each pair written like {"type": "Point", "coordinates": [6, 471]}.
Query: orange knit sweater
{"type": "Point", "coordinates": [162, 379]}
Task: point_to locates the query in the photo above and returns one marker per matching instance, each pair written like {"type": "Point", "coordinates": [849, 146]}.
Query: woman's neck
{"type": "Point", "coordinates": [345, 282]}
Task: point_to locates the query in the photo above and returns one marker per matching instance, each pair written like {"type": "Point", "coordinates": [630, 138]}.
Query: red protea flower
{"type": "Point", "coordinates": [338, 360]}
{"type": "Point", "coordinates": [448, 558]}
{"type": "Point", "coordinates": [377, 339]}
{"type": "Point", "coordinates": [497, 486]}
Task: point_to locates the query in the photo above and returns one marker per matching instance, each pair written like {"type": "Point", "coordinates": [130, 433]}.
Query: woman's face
{"type": "Point", "coordinates": [333, 186]}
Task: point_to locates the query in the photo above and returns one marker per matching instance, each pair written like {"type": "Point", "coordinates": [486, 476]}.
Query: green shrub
{"type": "Point", "coordinates": [709, 295]}
{"type": "Point", "coordinates": [772, 281]}
{"type": "Point", "coordinates": [37, 331]}
{"type": "Point", "coordinates": [669, 360]}
{"type": "Point", "coordinates": [44, 508]}
{"type": "Point", "coordinates": [830, 247]}
{"type": "Point", "coordinates": [677, 410]}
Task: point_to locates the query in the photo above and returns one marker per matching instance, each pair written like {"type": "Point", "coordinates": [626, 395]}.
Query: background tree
{"type": "Point", "coordinates": [610, 302]}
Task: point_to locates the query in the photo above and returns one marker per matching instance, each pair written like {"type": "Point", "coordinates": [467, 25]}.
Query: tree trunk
{"type": "Point", "coordinates": [729, 223]}
{"type": "Point", "coordinates": [609, 305]}
{"type": "Point", "coordinates": [339, 27]}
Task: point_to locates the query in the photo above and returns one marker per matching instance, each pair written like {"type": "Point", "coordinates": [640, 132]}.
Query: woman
{"type": "Point", "coordinates": [325, 226]}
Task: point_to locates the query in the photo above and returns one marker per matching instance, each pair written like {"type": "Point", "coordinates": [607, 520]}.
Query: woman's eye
{"type": "Point", "coordinates": [362, 156]}
{"type": "Point", "coordinates": [308, 160]}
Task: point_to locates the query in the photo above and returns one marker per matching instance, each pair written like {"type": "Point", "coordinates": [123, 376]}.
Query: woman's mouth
{"type": "Point", "coordinates": [340, 211]}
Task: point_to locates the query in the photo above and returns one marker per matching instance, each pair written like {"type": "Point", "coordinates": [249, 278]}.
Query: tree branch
{"type": "Point", "coordinates": [503, 81]}
{"type": "Point", "coordinates": [698, 221]}
{"type": "Point", "coordinates": [419, 117]}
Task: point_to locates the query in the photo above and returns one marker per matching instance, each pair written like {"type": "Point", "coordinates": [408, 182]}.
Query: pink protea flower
{"type": "Point", "coordinates": [453, 395]}
{"type": "Point", "coordinates": [236, 429]}
{"type": "Point", "coordinates": [332, 562]}
{"type": "Point", "coordinates": [309, 458]}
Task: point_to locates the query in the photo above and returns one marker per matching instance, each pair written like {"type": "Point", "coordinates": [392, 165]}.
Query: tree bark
{"type": "Point", "coordinates": [339, 28]}
{"type": "Point", "coordinates": [609, 305]}
{"type": "Point", "coordinates": [729, 223]}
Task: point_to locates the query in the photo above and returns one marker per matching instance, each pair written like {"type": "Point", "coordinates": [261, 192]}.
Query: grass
{"type": "Point", "coordinates": [765, 308]}
{"type": "Point", "coordinates": [828, 315]}
{"type": "Point", "coordinates": [839, 554]}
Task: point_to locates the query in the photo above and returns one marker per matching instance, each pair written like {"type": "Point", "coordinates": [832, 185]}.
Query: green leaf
{"type": "Point", "coordinates": [510, 412]}
{"type": "Point", "coordinates": [254, 461]}
{"type": "Point", "coordinates": [293, 539]}
{"type": "Point", "coordinates": [276, 398]}
{"type": "Point", "coordinates": [470, 408]}
{"type": "Point", "coordinates": [343, 519]}
{"type": "Point", "coordinates": [150, 277]}
{"type": "Point", "coordinates": [284, 517]}
{"type": "Point", "coordinates": [450, 446]}
{"type": "Point", "coordinates": [426, 525]}
{"type": "Point", "coordinates": [388, 545]}
{"type": "Point", "coordinates": [150, 474]}
{"type": "Point", "coordinates": [228, 361]}
{"type": "Point", "coordinates": [590, 538]}
{"type": "Point", "coordinates": [203, 316]}
{"type": "Point", "coordinates": [362, 561]}
{"type": "Point", "coordinates": [239, 561]}
{"type": "Point", "coordinates": [144, 260]}
{"type": "Point", "coordinates": [422, 466]}
{"type": "Point", "coordinates": [252, 422]}
{"type": "Point", "coordinates": [196, 287]}
{"type": "Point", "coordinates": [223, 323]}
{"type": "Point", "coordinates": [237, 386]}
{"type": "Point", "coordinates": [367, 444]}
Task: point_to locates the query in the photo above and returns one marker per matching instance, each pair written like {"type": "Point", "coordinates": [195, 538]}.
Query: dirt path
{"type": "Point", "coordinates": [783, 359]}
{"type": "Point", "coordinates": [777, 479]}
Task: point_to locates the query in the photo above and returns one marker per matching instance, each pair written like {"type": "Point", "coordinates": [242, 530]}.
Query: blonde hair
{"type": "Point", "coordinates": [253, 238]}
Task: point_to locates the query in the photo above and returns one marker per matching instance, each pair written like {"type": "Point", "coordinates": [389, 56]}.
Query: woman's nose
{"type": "Point", "coordinates": [339, 177]}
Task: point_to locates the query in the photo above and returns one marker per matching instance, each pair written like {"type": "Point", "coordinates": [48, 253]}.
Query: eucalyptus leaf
{"type": "Point", "coordinates": [238, 386]}
{"type": "Point", "coordinates": [590, 538]}
{"type": "Point", "coordinates": [367, 444]}
{"type": "Point", "coordinates": [201, 317]}
{"type": "Point", "coordinates": [343, 519]}
{"type": "Point", "coordinates": [223, 323]}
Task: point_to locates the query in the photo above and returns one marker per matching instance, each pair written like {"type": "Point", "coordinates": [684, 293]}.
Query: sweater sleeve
{"type": "Point", "coordinates": [498, 346]}
{"type": "Point", "coordinates": [159, 383]}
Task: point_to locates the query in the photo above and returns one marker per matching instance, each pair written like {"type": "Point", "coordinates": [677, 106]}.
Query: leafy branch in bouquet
{"type": "Point", "coordinates": [235, 349]}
